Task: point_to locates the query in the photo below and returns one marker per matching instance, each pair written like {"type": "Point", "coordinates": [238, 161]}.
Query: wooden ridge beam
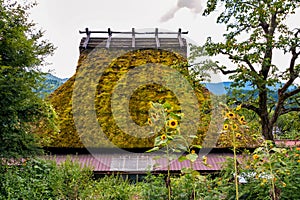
{"type": "Point", "coordinates": [130, 32]}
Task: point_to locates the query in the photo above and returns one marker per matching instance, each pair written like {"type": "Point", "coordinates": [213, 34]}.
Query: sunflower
{"type": "Point", "coordinates": [238, 135]}
{"type": "Point", "coordinates": [163, 137]}
{"type": "Point", "coordinates": [230, 115]}
{"type": "Point", "coordinates": [255, 156]}
{"type": "Point", "coordinates": [234, 127]}
{"type": "Point", "coordinates": [193, 151]}
{"type": "Point", "coordinates": [225, 127]}
{"type": "Point", "coordinates": [242, 119]}
{"type": "Point", "coordinates": [173, 123]}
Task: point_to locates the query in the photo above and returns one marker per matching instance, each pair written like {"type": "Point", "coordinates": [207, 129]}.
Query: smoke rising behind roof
{"type": "Point", "coordinates": [194, 6]}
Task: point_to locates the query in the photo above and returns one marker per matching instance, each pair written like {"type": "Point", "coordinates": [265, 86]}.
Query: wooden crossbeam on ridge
{"type": "Point", "coordinates": [133, 34]}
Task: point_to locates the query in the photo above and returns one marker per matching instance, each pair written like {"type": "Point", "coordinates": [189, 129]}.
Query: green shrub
{"type": "Point", "coordinates": [27, 181]}
{"type": "Point", "coordinates": [154, 187]}
{"type": "Point", "coordinates": [41, 179]}
{"type": "Point", "coordinates": [111, 187]}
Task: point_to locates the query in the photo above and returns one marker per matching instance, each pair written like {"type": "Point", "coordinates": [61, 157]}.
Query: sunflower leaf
{"type": "Point", "coordinates": [153, 149]}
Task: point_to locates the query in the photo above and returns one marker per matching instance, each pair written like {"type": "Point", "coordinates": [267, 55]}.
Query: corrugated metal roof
{"type": "Point", "coordinates": [141, 162]}
{"type": "Point", "coordinates": [105, 162]}
{"type": "Point", "coordinates": [98, 163]}
{"type": "Point", "coordinates": [288, 143]}
{"type": "Point", "coordinates": [214, 163]}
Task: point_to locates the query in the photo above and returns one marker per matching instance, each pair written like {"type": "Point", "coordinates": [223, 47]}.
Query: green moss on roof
{"type": "Point", "coordinates": [115, 68]}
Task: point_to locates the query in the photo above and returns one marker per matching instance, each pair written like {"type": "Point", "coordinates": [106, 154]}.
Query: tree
{"type": "Point", "coordinates": [22, 50]}
{"type": "Point", "coordinates": [255, 30]}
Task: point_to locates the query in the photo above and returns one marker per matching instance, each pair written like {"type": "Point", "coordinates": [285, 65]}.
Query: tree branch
{"type": "Point", "coordinates": [293, 74]}
{"type": "Point", "coordinates": [292, 93]}
{"type": "Point", "coordinates": [251, 107]}
{"type": "Point", "coordinates": [225, 72]}
{"type": "Point", "coordinates": [244, 59]}
{"type": "Point", "coordinates": [287, 110]}
{"type": "Point", "coordinates": [249, 64]}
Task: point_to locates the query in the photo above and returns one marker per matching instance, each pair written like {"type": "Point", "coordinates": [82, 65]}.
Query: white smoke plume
{"type": "Point", "coordinates": [195, 6]}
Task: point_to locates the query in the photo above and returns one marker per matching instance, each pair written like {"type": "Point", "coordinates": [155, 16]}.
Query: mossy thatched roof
{"type": "Point", "coordinates": [87, 104]}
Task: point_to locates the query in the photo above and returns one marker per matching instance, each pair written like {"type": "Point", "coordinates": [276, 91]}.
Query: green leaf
{"type": "Point", "coordinates": [193, 136]}
{"type": "Point", "coordinates": [178, 137]}
{"type": "Point", "coordinates": [192, 157]}
{"type": "Point", "coordinates": [195, 173]}
{"type": "Point", "coordinates": [170, 137]}
{"type": "Point", "coordinates": [196, 146]}
{"type": "Point", "coordinates": [153, 149]}
{"type": "Point", "coordinates": [186, 170]}
{"type": "Point", "coordinates": [182, 158]}
{"type": "Point", "coordinates": [181, 147]}
{"type": "Point", "coordinates": [175, 116]}
{"type": "Point", "coordinates": [258, 150]}
{"type": "Point", "coordinates": [278, 150]}
{"type": "Point", "coordinates": [166, 105]}
{"type": "Point", "coordinates": [158, 141]}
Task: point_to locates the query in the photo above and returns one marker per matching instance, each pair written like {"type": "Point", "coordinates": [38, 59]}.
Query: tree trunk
{"type": "Point", "coordinates": [266, 123]}
{"type": "Point", "coordinates": [267, 130]}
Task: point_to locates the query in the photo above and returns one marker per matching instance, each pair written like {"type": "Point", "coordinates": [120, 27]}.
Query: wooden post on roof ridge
{"type": "Point", "coordinates": [109, 38]}
{"type": "Point", "coordinates": [133, 38]}
{"type": "Point", "coordinates": [180, 38]}
{"type": "Point", "coordinates": [87, 39]}
{"type": "Point", "coordinates": [156, 38]}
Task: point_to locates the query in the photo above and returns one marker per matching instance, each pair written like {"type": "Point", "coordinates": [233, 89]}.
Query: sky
{"type": "Point", "coordinates": [62, 19]}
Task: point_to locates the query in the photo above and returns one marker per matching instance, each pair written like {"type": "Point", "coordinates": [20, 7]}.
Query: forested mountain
{"type": "Point", "coordinates": [51, 83]}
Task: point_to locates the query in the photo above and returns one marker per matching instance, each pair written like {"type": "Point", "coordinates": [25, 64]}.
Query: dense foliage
{"type": "Point", "coordinates": [267, 173]}
{"type": "Point", "coordinates": [40, 179]}
{"type": "Point", "coordinates": [289, 126]}
{"type": "Point", "coordinates": [21, 51]}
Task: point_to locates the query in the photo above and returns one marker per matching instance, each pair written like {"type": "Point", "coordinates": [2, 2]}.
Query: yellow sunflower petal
{"type": "Point", "coordinates": [173, 123]}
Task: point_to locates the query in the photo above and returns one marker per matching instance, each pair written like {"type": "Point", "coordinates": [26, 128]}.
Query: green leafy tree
{"type": "Point", "coordinates": [255, 30]}
{"type": "Point", "coordinates": [22, 50]}
{"type": "Point", "coordinates": [289, 126]}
